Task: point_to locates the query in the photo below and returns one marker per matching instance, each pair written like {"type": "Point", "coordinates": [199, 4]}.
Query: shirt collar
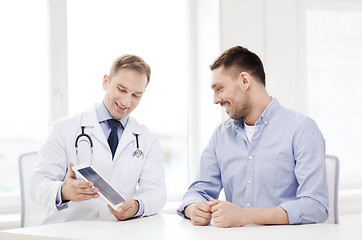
{"type": "Point", "coordinates": [269, 111]}
{"type": "Point", "coordinates": [265, 117]}
{"type": "Point", "coordinates": [103, 115]}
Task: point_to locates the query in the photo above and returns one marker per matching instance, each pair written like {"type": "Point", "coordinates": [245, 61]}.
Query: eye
{"type": "Point", "coordinates": [137, 95]}
{"type": "Point", "coordinates": [121, 90]}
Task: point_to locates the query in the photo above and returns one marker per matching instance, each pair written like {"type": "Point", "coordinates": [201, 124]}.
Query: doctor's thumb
{"type": "Point", "coordinates": [70, 169]}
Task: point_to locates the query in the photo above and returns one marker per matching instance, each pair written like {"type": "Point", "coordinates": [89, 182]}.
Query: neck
{"type": "Point", "coordinates": [259, 101]}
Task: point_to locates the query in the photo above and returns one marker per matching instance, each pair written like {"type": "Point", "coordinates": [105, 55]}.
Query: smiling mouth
{"type": "Point", "coordinates": [123, 108]}
{"type": "Point", "coordinates": [225, 105]}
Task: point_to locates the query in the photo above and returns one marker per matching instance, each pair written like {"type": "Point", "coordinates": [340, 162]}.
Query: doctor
{"type": "Point", "coordinates": [115, 136]}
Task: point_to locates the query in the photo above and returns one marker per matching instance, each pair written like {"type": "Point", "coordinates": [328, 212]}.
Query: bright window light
{"type": "Point", "coordinates": [101, 30]}
{"type": "Point", "coordinates": [334, 57]}
{"type": "Point", "coordinates": [24, 85]}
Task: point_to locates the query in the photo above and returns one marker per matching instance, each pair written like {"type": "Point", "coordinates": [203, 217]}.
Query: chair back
{"type": "Point", "coordinates": [332, 169]}
{"type": "Point", "coordinates": [32, 214]}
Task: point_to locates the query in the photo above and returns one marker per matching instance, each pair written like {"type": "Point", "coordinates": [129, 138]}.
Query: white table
{"type": "Point", "coordinates": [171, 226]}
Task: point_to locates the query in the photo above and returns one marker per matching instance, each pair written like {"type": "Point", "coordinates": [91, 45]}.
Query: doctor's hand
{"type": "Point", "coordinates": [75, 190]}
{"type": "Point", "coordinates": [128, 209]}
{"type": "Point", "coordinates": [199, 213]}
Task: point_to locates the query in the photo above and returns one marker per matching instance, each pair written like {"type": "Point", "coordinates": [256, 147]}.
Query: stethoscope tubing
{"type": "Point", "coordinates": [83, 135]}
{"type": "Point", "coordinates": [137, 154]}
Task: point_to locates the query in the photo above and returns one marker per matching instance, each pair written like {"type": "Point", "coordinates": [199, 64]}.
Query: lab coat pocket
{"type": "Point", "coordinates": [126, 174]}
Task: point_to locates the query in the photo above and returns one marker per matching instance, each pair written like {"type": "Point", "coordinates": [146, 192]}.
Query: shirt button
{"type": "Point", "coordinates": [266, 122]}
{"type": "Point", "coordinates": [250, 157]}
{"type": "Point", "coordinates": [249, 181]}
{"type": "Point", "coordinates": [248, 204]}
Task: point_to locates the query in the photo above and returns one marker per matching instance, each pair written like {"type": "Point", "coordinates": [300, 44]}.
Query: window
{"type": "Point", "coordinates": [24, 86]}
{"type": "Point", "coordinates": [154, 30]}
{"type": "Point", "coordinates": [334, 88]}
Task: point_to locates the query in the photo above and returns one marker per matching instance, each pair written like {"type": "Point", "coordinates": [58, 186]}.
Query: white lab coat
{"type": "Point", "coordinates": [133, 178]}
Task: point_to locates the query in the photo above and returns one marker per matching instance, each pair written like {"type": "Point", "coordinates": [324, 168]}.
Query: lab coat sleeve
{"type": "Point", "coordinates": [151, 185]}
{"type": "Point", "coordinates": [311, 205]}
{"type": "Point", "coordinates": [50, 170]}
{"type": "Point", "coordinates": [208, 180]}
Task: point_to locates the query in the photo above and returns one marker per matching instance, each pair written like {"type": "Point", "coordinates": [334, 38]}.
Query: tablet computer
{"type": "Point", "coordinates": [106, 191]}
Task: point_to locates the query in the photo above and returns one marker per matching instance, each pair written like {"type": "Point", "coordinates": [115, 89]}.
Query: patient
{"type": "Point", "coordinates": [269, 160]}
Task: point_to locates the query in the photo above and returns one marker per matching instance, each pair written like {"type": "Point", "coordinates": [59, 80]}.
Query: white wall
{"type": "Point", "coordinates": [275, 30]}
{"type": "Point", "coordinates": [204, 116]}
{"type": "Point", "coordinates": [57, 59]}
{"type": "Point", "coordinates": [271, 29]}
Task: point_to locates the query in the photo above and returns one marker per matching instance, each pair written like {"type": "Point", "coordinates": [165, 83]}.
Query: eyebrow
{"type": "Point", "coordinates": [214, 85]}
{"type": "Point", "coordinates": [120, 85]}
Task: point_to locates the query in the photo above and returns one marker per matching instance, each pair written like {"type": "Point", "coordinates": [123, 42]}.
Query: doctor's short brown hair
{"type": "Point", "coordinates": [133, 62]}
{"type": "Point", "coordinates": [239, 59]}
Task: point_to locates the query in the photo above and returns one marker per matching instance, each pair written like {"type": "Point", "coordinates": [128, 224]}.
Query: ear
{"type": "Point", "coordinates": [105, 81]}
{"type": "Point", "coordinates": [244, 79]}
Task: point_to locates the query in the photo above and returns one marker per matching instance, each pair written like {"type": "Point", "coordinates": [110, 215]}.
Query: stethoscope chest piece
{"type": "Point", "coordinates": [138, 154]}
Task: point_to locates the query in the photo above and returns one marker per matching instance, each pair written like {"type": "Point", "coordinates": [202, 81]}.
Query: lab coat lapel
{"type": "Point", "coordinates": [90, 120]}
{"type": "Point", "coordinates": [127, 136]}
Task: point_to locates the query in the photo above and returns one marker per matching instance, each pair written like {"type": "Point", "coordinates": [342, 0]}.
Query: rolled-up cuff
{"type": "Point", "coordinates": [141, 208]}
{"type": "Point", "coordinates": [187, 201]}
{"type": "Point", "coordinates": [60, 205]}
{"type": "Point", "coordinates": [293, 211]}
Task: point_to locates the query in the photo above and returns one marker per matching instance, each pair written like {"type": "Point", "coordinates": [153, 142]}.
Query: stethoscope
{"type": "Point", "coordinates": [79, 140]}
{"type": "Point", "coordinates": [137, 154]}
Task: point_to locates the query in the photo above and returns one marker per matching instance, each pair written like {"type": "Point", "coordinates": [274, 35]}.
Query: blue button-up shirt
{"type": "Point", "coordinates": [283, 165]}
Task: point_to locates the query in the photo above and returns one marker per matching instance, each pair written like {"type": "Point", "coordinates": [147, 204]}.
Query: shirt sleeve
{"type": "Point", "coordinates": [50, 170]}
{"type": "Point", "coordinates": [141, 208]}
{"type": "Point", "coordinates": [208, 180]}
{"type": "Point", "coordinates": [311, 204]}
{"type": "Point", "coordinates": [58, 200]}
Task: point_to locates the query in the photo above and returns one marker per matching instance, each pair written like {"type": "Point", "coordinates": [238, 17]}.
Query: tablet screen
{"type": "Point", "coordinates": [102, 185]}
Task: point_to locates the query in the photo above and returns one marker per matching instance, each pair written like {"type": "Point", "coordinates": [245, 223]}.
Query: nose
{"type": "Point", "coordinates": [217, 99]}
{"type": "Point", "coordinates": [127, 100]}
